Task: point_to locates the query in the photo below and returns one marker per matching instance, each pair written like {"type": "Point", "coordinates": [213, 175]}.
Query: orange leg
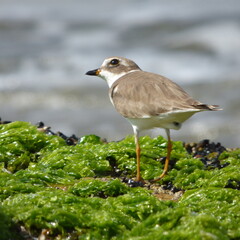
{"type": "Point", "coordinates": [138, 150]}
{"type": "Point", "coordinates": [169, 150]}
{"type": "Point", "coordinates": [138, 153]}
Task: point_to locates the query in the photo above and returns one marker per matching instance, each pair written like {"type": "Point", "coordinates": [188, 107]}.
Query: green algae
{"type": "Point", "coordinates": [75, 193]}
{"type": "Point", "coordinates": [5, 225]}
{"type": "Point", "coordinates": [66, 212]}
{"type": "Point", "coordinates": [98, 188]}
{"type": "Point", "coordinates": [200, 214]}
{"type": "Point", "coordinates": [20, 144]}
{"type": "Point", "coordinates": [220, 203]}
{"type": "Point", "coordinates": [190, 173]}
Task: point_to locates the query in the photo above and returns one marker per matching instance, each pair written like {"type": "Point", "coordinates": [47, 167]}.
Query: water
{"type": "Point", "coordinates": [47, 46]}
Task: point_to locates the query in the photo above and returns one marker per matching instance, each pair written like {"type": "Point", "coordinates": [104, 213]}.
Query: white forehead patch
{"type": "Point", "coordinates": [105, 62]}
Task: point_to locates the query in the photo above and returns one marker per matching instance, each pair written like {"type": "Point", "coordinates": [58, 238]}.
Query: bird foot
{"type": "Point", "coordinates": [135, 183]}
{"type": "Point", "coordinates": [159, 178]}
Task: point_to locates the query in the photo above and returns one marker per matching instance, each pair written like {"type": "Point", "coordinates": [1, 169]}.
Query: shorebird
{"type": "Point", "coordinates": [147, 100]}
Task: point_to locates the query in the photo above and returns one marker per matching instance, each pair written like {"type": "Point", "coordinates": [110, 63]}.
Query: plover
{"type": "Point", "coordinates": [147, 100]}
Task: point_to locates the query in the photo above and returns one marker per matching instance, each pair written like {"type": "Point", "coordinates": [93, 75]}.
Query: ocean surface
{"type": "Point", "coordinates": [46, 47]}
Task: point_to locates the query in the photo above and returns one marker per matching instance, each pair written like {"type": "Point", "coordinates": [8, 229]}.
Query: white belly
{"type": "Point", "coordinates": [171, 120]}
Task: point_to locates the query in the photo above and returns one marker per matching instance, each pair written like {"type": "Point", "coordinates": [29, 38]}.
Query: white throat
{"type": "Point", "coordinates": [111, 77]}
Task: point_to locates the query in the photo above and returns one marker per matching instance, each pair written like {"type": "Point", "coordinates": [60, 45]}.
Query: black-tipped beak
{"type": "Point", "coordinates": [94, 72]}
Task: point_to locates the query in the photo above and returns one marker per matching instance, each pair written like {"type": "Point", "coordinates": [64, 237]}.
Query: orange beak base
{"type": "Point", "coordinates": [94, 72]}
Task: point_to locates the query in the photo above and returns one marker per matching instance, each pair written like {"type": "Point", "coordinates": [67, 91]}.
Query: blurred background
{"type": "Point", "coordinates": [46, 47]}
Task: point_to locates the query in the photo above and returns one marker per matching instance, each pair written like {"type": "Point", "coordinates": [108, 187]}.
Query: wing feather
{"type": "Point", "coordinates": [142, 94]}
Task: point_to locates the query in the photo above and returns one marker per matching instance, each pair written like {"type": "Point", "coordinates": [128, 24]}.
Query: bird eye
{"type": "Point", "coordinates": [114, 61]}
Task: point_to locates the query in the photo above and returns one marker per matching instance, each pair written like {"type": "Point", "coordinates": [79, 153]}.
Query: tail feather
{"type": "Point", "coordinates": [208, 107]}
